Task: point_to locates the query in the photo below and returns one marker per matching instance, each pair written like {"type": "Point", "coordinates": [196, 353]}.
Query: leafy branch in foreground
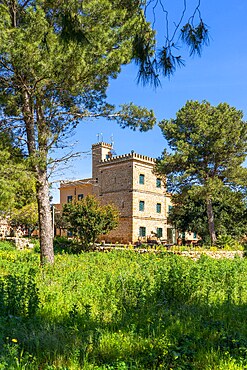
{"type": "Point", "coordinates": [155, 57]}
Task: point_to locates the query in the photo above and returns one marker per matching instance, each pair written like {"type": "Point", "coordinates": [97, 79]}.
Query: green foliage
{"type": "Point", "coordinates": [227, 242]}
{"type": "Point", "coordinates": [67, 52]}
{"type": "Point", "coordinates": [88, 219]}
{"type": "Point", "coordinates": [195, 36]}
{"type": "Point", "coordinates": [18, 294]}
{"type": "Point", "coordinates": [189, 213]}
{"type": "Point", "coordinates": [7, 246]}
{"type": "Point", "coordinates": [17, 185]}
{"type": "Point", "coordinates": [209, 147]}
{"type": "Point", "coordinates": [123, 310]}
{"type": "Point", "coordinates": [156, 59]}
{"type": "Point", "coordinates": [26, 216]}
{"type": "Point", "coordinates": [63, 244]}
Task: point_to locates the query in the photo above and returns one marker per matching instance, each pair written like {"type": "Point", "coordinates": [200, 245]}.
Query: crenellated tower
{"type": "Point", "coordinates": [100, 152]}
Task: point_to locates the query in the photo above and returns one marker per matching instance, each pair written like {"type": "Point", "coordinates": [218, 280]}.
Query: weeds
{"type": "Point", "coordinates": [123, 310]}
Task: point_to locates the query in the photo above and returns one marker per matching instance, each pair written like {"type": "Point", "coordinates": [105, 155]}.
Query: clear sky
{"type": "Point", "coordinates": [219, 75]}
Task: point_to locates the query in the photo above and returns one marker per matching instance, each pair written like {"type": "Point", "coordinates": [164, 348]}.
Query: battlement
{"type": "Point", "coordinates": [102, 144]}
{"type": "Point", "coordinates": [128, 156]}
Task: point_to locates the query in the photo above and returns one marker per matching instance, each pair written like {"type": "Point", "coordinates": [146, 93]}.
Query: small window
{"type": "Point", "coordinates": [158, 183]}
{"type": "Point", "coordinates": [158, 207]}
{"type": "Point", "coordinates": [69, 198]}
{"type": "Point", "coordinates": [142, 231]}
{"type": "Point", "coordinates": [195, 236]}
{"type": "Point", "coordinates": [69, 233]}
{"type": "Point", "coordinates": [159, 232]}
{"type": "Point", "coordinates": [141, 179]}
{"type": "Point", "coordinates": [80, 196]}
{"type": "Point", "coordinates": [141, 205]}
{"type": "Point", "coordinates": [169, 208]}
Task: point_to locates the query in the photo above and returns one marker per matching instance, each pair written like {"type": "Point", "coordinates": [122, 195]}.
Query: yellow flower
{"type": "Point", "coordinates": [14, 340]}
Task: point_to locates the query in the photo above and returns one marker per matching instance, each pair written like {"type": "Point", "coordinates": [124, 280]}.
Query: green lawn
{"type": "Point", "coordinates": [122, 310]}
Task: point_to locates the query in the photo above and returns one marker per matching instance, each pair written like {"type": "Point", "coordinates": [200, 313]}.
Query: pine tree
{"type": "Point", "coordinates": [209, 146]}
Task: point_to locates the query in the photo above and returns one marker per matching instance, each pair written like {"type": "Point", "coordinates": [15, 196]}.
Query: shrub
{"type": "Point", "coordinates": [18, 294]}
{"type": "Point", "coordinates": [7, 246]}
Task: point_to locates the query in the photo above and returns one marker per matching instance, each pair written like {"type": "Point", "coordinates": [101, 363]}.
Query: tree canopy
{"type": "Point", "coordinates": [209, 146]}
{"type": "Point", "coordinates": [88, 219]}
{"type": "Point", "coordinates": [189, 212]}
{"type": "Point", "coordinates": [17, 185]}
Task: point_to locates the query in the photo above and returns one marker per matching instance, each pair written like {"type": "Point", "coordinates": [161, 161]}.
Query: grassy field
{"type": "Point", "coordinates": [122, 310]}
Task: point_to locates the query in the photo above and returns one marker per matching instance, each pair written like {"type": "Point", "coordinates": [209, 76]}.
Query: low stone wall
{"type": "Point", "coordinates": [195, 255]}
{"type": "Point", "coordinates": [21, 243]}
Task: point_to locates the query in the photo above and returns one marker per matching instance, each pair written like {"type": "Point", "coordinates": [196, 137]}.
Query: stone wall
{"type": "Point", "coordinates": [151, 195]}
{"type": "Point", "coordinates": [115, 187]}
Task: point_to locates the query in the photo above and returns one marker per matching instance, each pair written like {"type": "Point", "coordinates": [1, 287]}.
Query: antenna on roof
{"type": "Point", "coordinates": [113, 152]}
{"type": "Point", "coordinates": [99, 137]}
{"type": "Point", "coordinates": [112, 141]}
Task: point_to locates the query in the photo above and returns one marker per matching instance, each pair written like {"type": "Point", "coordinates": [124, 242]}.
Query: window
{"type": "Point", "coordinates": [158, 207]}
{"type": "Point", "coordinates": [169, 208]}
{"type": "Point", "coordinates": [158, 183]}
{"type": "Point", "coordinates": [142, 231]}
{"type": "Point", "coordinates": [80, 196]}
{"type": "Point", "coordinates": [159, 232]}
{"type": "Point", "coordinates": [69, 198]}
{"type": "Point", "coordinates": [141, 179]}
{"type": "Point", "coordinates": [195, 236]}
{"type": "Point", "coordinates": [141, 205]}
{"type": "Point", "coordinates": [69, 233]}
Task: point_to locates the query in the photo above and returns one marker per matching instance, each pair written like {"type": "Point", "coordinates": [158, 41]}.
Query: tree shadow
{"type": "Point", "coordinates": [149, 334]}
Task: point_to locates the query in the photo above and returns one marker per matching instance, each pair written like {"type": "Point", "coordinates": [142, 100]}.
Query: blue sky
{"type": "Point", "coordinates": [219, 75]}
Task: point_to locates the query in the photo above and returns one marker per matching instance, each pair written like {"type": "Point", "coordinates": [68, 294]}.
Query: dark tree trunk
{"type": "Point", "coordinates": [210, 214]}
{"type": "Point", "coordinates": [45, 219]}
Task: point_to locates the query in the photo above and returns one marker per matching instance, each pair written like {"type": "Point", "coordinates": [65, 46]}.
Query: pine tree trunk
{"type": "Point", "coordinates": [210, 214]}
{"type": "Point", "coordinates": [45, 220]}
{"type": "Point", "coordinates": [40, 170]}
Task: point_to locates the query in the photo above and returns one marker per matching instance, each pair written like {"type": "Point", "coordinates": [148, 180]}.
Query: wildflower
{"type": "Point", "coordinates": [14, 340]}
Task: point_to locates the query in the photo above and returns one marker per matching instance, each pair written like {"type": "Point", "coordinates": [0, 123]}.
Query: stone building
{"type": "Point", "coordinates": [128, 181]}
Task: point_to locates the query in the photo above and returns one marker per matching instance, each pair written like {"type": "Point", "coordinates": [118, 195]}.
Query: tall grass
{"type": "Point", "coordinates": [121, 310]}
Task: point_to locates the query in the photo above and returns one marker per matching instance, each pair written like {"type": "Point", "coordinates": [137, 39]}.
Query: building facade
{"type": "Point", "coordinates": [128, 181]}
